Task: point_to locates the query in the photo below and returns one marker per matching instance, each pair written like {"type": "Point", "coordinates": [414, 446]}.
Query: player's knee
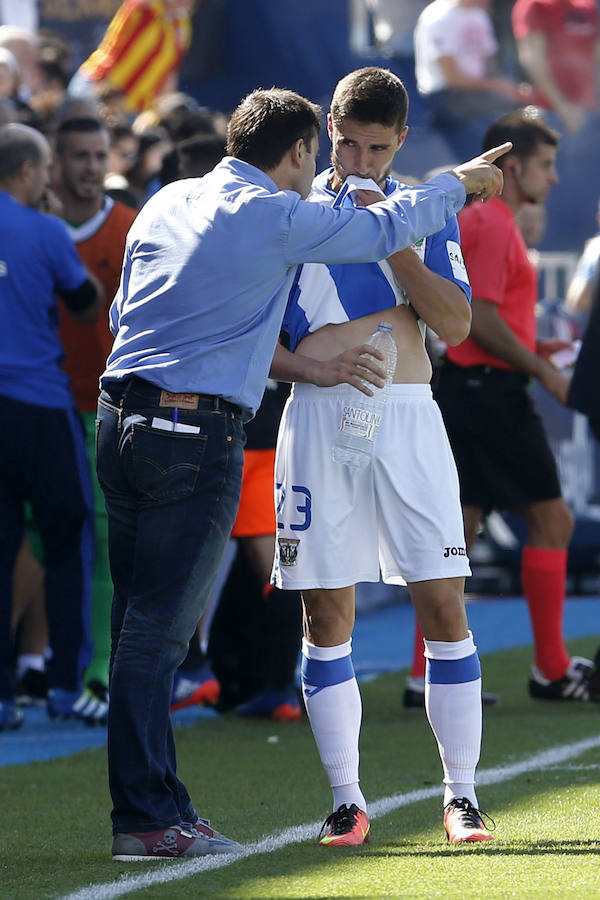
{"type": "Point", "coordinates": [553, 527]}
{"type": "Point", "coordinates": [443, 618]}
{"type": "Point", "coordinates": [328, 622]}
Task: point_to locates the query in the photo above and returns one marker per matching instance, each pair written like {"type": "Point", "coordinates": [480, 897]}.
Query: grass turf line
{"type": "Point", "coordinates": [56, 837]}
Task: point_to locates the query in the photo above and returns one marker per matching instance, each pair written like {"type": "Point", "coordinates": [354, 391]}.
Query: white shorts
{"type": "Point", "coordinates": [337, 526]}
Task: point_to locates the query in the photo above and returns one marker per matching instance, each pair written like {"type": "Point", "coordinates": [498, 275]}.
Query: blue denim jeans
{"type": "Point", "coordinates": [171, 499]}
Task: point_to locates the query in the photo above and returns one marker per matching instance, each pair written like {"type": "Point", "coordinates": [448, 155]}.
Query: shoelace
{"type": "Point", "coordinates": [469, 815]}
{"type": "Point", "coordinates": [342, 820]}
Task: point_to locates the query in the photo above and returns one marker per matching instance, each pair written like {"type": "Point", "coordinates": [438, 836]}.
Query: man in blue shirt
{"type": "Point", "coordinates": [208, 267]}
{"type": "Point", "coordinates": [402, 515]}
{"type": "Point", "coordinates": [42, 454]}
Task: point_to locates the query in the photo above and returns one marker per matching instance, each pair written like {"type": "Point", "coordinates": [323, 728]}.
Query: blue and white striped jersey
{"type": "Point", "coordinates": [330, 294]}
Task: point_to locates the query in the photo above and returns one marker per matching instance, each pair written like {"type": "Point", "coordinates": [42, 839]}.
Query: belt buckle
{"type": "Point", "coordinates": [181, 401]}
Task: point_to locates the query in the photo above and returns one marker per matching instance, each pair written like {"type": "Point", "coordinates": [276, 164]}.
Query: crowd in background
{"type": "Point", "coordinates": [156, 134]}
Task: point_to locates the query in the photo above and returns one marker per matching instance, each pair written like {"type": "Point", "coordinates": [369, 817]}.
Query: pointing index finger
{"type": "Point", "coordinates": [493, 154]}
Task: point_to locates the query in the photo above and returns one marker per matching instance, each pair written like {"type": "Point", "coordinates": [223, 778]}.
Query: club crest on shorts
{"type": "Point", "coordinates": [288, 550]}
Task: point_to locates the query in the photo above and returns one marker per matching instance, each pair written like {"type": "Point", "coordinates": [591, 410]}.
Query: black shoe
{"type": "Point", "coordinates": [32, 689]}
{"type": "Point", "coordinates": [574, 684]}
{"type": "Point", "coordinates": [414, 695]}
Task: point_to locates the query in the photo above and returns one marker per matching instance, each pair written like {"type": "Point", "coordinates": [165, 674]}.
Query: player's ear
{"type": "Point", "coordinates": [402, 136]}
{"type": "Point", "coordinates": [329, 126]}
{"type": "Point", "coordinates": [296, 152]}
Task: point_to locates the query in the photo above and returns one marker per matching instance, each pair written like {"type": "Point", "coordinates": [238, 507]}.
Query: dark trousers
{"type": "Point", "coordinates": [171, 499]}
{"type": "Point", "coordinates": [43, 462]}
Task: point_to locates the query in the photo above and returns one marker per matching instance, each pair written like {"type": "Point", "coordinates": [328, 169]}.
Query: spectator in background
{"type": "Point", "coordinates": [154, 144]}
{"type": "Point", "coordinates": [44, 461]}
{"type": "Point", "coordinates": [182, 118]}
{"type": "Point", "coordinates": [24, 46]}
{"type": "Point", "coordinates": [198, 155]}
{"type": "Point", "coordinates": [98, 226]}
{"type": "Point", "coordinates": [8, 111]}
{"type": "Point", "coordinates": [558, 42]}
{"type": "Point", "coordinates": [141, 52]}
{"type": "Point", "coordinates": [9, 73]}
{"type": "Point", "coordinates": [579, 291]}
{"type": "Point", "coordinates": [457, 72]}
{"type": "Point", "coordinates": [123, 151]}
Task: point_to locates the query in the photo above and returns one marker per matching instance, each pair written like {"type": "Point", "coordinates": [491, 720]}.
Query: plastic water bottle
{"type": "Point", "coordinates": [362, 415]}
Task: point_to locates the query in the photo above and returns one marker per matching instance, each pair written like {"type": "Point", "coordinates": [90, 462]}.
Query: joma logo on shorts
{"type": "Point", "coordinates": [455, 551]}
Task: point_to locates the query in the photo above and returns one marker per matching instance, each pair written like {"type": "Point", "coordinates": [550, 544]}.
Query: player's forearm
{"type": "Point", "coordinates": [290, 367]}
{"type": "Point", "coordinates": [439, 302]}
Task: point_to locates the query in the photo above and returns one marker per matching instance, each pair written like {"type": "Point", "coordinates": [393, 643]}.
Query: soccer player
{"type": "Point", "coordinates": [501, 449]}
{"type": "Point", "coordinates": [402, 516]}
{"type": "Point", "coordinates": [98, 227]}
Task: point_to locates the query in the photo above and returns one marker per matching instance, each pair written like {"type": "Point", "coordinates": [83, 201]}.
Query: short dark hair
{"type": "Point", "coordinates": [371, 95]}
{"type": "Point", "coordinates": [525, 130]}
{"type": "Point", "coordinates": [267, 123]}
{"type": "Point", "coordinates": [202, 153]}
{"type": "Point", "coordinates": [18, 144]}
{"type": "Point", "coordinates": [78, 125]}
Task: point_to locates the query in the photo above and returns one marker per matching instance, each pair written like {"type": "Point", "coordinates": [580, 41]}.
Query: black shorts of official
{"type": "Point", "coordinates": [502, 453]}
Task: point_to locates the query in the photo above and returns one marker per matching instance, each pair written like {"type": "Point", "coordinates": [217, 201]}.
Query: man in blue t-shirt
{"type": "Point", "coordinates": [401, 515]}
{"type": "Point", "coordinates": [42, 454]}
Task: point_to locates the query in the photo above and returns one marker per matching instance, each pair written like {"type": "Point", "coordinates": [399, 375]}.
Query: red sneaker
{"type": "Point", "coordinates": [170, 843]}
{"type": "Point", "coordinates": [346, 827]}
{"type": "Point", "coordinates": [463, 822]}
{"type": "Point", "coordinates": [284, 705]}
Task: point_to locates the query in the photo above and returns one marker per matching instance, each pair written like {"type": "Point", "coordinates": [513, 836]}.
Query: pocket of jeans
{"type": "Point", "coordinates": [166, 463]}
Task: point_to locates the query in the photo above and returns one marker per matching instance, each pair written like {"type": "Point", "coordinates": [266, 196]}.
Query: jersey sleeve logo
{"type": "Point", "coordinates": [457, 262]}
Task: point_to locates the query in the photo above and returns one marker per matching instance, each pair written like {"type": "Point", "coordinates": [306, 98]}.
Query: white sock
{"type": "Point", "coordinates": [453, 705]}
{"type": "Point", "coordinates": [29, 661]}
{"type": "Point", "coordinates": [334, 708]}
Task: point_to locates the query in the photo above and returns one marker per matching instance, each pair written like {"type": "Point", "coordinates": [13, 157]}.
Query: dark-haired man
{"type": "Point", "coordinates": [98, 226]}
{"type": "Point", "coordinates": [500, 445]}
{"type": "Point", "coordinates": [407, 502]}
{"type": "Point", "coordinates": [42, 458]}
{"type": "Point", "coordinates": [207, 271]}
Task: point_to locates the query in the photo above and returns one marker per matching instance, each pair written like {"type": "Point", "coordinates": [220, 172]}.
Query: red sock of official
{"type": "Point", "coordinates": [544, 580]}
{"type": "Point", "coordinates": [418, 663]}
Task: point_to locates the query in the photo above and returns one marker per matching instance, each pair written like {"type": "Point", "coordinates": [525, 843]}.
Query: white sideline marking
{"type": "Point", "coordinates": [176, 871]}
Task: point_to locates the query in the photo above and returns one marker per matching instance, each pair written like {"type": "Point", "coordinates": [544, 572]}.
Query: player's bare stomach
{"type": "Point", "coordinates": [413, 366]}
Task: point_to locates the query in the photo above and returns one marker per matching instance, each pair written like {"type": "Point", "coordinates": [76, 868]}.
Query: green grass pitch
{"type": "Point", "coordinates": [56, 835]}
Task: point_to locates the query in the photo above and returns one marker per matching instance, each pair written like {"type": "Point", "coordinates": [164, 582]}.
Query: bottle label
{"type": "Point", "coordinates": [359, 422]}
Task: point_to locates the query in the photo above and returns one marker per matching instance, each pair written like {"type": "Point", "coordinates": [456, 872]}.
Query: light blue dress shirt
{"type": "Point", "coordinates": [209, 264]}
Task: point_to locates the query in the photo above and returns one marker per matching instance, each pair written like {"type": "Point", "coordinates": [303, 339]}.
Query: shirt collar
{"type": "Point", "coordinates": [322, 181]}
{"type": "Point", "coordinates": [248, 172]}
